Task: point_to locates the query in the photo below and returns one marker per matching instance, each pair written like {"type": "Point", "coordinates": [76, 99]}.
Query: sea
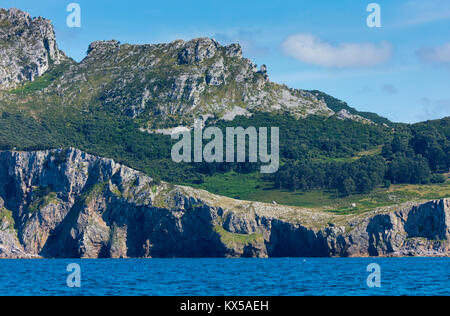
{"type": "Point", "coordinates": [227, 277]}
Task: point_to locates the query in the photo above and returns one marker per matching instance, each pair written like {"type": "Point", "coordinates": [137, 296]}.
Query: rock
{"type": "Point", "coordinates": [179, 81]}
{"type": "Point", "coordinates": [27, 47]}
{"type": "Point", "coordinates": [66, 203]}
{"type": "Point", "coordinates": [263, 72]}
{"type": "Point", "coordinates": [233, 50]}
{"type": "Point", "coordinates": [101, 47]}
{"type": "Point", "coordinates": [346, 115]}
{"type": "Point", "coordinates": [198, 50]}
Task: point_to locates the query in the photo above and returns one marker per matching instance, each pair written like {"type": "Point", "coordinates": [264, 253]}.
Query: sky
{"type": "Point", "coordinates": [400, 70]}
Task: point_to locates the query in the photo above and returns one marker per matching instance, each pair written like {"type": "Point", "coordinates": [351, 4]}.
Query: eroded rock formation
{"type": "Point", "coordinates": [67, 203]}
{"type": "Point", "coordinates": [27, 47]}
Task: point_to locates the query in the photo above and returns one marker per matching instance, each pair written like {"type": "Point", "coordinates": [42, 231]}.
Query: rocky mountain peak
{"type": "Point", "coordinates": [233, 50]}
{"type": "Point", "coordinates": [197, 50]}
{"type": "Point", "coordinates": [27, 47]}
{"type": "Point", "coordinates": [181, 80]}
{"type": "Point", "coordinates": [103, 46]}
{"type": "Point", "coordinates": [16, 15]}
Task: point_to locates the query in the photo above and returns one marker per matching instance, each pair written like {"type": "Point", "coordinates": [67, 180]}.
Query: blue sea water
{"type": "Point", "coordinates": [252, 277]}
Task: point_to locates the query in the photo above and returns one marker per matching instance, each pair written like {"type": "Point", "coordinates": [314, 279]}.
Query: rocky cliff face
{"type": "Point", "coordinates": [66, 203]}
{"type": "Point", "coordinates": [27, 47]}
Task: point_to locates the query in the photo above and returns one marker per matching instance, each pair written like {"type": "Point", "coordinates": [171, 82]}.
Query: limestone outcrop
{"type": "Point", "coordinates": [27, 47]}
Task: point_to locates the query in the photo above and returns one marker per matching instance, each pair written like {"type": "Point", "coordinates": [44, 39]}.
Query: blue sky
{"type": "Point", "coordinates": [400, 70]}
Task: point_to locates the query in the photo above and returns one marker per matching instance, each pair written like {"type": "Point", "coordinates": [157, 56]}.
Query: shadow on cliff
{"type": "Point", "coordinates": [288, 240]}
{"type": "Point", "coordinates": [63, 240]}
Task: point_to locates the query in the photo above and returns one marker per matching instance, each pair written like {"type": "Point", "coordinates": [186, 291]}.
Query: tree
{"type": "Point", "coordinates": [363, 183]}
{"type": "Point", "coordinates": [347, 187]}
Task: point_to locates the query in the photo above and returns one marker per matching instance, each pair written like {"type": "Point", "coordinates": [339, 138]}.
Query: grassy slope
{"type": "Point", "coordinates": [252, 187]}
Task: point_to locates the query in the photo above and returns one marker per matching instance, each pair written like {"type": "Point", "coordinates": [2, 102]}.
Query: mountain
{"type": "Point", "coordinates": [111, 102]}
{"type": "Point", "coordinates": [122, 101]}
{"type": "Point", "coordinates": [119, 99]}
{"type": "Point", "coordinates": [27, 48]}
{"type": "Point", "coordinates": [69, 204]}
{"type": "Point", "coordinates": [161, 85]}
{"type": "Point", "coordinates": [181, 80]}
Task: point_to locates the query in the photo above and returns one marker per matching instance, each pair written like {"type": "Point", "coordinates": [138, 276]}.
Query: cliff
{"type": "Point", "coordinates": [67, 203]}
{"type": "Point", "coordinates": [27, 47]}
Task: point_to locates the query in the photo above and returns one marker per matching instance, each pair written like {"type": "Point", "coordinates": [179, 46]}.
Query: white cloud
{"type": "Point", "coordinates": [313, 50]}
{"type": "Point", "coordinates": [438, 55]}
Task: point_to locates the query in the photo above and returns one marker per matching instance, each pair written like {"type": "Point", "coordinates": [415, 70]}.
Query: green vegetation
{"type": "Point", "coordinates": [317, 136]}
{"type": "Point", "coordinates": [41, 197]}
{"type": "Point", "coordinates": [412, 155]}
{"type": "Point", "coordinates": [116, 191]}
{"type": "Point", "coordinates": [251, 187]}
{"type": "Point", "coordinates": [43, 81]}
{"type": "Point", "coordinates": [7, 216]}
{"type": "Point", "coordinates": [231, 184]}
{"type": "Point", "coordinates": [93, 192]}
{"type": "Point", "coordinates": [162, 197]}
{"type": "Point", "coordinates": [232, 240]}
{"type": "Point", "coordinates": [322, 159]}
{"type": "Point", "coordinates": [315, 143]}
